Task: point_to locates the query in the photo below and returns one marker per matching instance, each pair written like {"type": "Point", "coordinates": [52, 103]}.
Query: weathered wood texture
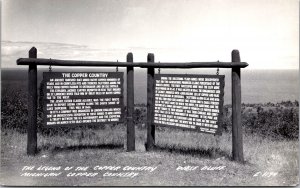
{"type": "Point", "coordinates": [150, 104]}
{"type": "Point", "coordinates": [32, 105]}
{"type": "Point", "coordinates": [56, 62]}
{"type": "Point", "coordinates": [237, 134]}
{"type": "Point", "coordinates": [130, 105]}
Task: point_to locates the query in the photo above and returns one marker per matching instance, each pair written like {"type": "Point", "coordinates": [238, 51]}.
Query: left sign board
{"type": "Point", "coordinates": [82, 98]}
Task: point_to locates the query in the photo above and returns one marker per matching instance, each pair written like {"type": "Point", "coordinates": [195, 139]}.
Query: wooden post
{"type": "Point", "coordinates": [150, 104]}
{"type": "Point", "coordinates": [32, 105]}
{"type": "Point", "coordinates": [130, 105]}
{"type": "Point", "coordinates": [237, 134]}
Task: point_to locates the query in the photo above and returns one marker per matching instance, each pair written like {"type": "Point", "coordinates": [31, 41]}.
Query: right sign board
{"type": "Point", "coordinates": [189, 101]}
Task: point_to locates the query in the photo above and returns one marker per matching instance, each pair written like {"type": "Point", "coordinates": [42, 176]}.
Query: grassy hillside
{"type": "Point", "coordinates": [174, 149]}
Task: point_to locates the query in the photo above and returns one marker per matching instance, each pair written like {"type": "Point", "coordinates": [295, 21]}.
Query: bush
{"type": "Point", "coordinates": [280, 120]}
{"type": "Point", "coordinates": [14, 114]}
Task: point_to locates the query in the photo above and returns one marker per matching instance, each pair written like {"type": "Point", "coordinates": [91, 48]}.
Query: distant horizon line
{"type": "Point", "coordinates": [16, 48]}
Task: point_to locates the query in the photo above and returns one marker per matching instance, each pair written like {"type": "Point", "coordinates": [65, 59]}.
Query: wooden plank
{"type": "Point", "coordinates": [237, 135]}
{"type": "Point", "coordinates": [56, 62]}
{"type": "Point", "coordinates": [130, 105]}
{"type": "Point", "coordinates": [32, 105]}
{"type": "Point", "coordinates": [150, 104]}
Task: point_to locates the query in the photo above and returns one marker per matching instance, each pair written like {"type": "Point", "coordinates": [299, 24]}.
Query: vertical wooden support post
{"type": "Point", "coordinates": [130, 105]}
{"type": "Point", "coordinates": [32, 106]}
{"type": "Point", "coordinates": [150, 104]}
{"type": "Point", "coordinates": [237, 134]}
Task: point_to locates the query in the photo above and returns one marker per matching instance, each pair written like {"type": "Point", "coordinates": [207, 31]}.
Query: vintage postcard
{"type": "Point", "coordinates": [149, 93]}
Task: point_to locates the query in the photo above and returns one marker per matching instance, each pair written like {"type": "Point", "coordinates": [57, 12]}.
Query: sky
{"type": "Point", "coordinates": [266, 32]}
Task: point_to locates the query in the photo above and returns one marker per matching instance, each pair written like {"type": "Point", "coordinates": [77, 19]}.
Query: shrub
{"type": "Point", "coordinates": [14, 110]}
{"type": "Point", "coordinates": [278, 120]}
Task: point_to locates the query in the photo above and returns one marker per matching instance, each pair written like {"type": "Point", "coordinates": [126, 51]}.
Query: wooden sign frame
{"type": "Point", "coordinates": [221, 100]}
{"type": "Point", "coordinates": [48, 75]}
{"type": "Point", "coordinates": [235, 65]}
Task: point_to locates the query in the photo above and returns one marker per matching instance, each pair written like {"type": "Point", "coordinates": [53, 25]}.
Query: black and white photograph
{"type": "Point", "coordinates": [149, 93]}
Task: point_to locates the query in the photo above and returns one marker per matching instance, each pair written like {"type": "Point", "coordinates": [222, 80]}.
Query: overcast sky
{"type": "Point", "coordinates": [266, 32]}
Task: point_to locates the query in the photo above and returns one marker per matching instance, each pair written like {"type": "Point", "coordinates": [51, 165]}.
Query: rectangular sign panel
{"type": "Point", "coordinates": [189, 101]}
{"type": "Point", "coordinates": [82, 98]}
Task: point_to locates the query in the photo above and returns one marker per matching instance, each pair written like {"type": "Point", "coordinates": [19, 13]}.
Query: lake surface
{"type": "Point", "coordinates": [258, 86]}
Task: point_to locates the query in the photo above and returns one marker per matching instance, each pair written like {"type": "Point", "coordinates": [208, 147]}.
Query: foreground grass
{"type": "Point", "coordinates": [173, 148]}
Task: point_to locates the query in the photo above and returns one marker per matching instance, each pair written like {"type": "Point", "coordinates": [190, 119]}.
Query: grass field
{"type": "Point", "coordinates": [174, 148]}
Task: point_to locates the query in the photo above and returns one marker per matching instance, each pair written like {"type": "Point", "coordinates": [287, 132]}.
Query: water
{"type": "Point", "coordinates": [258, 86]}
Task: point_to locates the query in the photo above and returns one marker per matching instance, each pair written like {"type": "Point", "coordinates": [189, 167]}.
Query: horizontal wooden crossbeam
{"type": "Point", "coordinates": [57, 62]}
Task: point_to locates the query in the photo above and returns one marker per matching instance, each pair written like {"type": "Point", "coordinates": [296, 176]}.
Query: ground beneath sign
{"type": "Point", "coordinates": [181, 158]}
